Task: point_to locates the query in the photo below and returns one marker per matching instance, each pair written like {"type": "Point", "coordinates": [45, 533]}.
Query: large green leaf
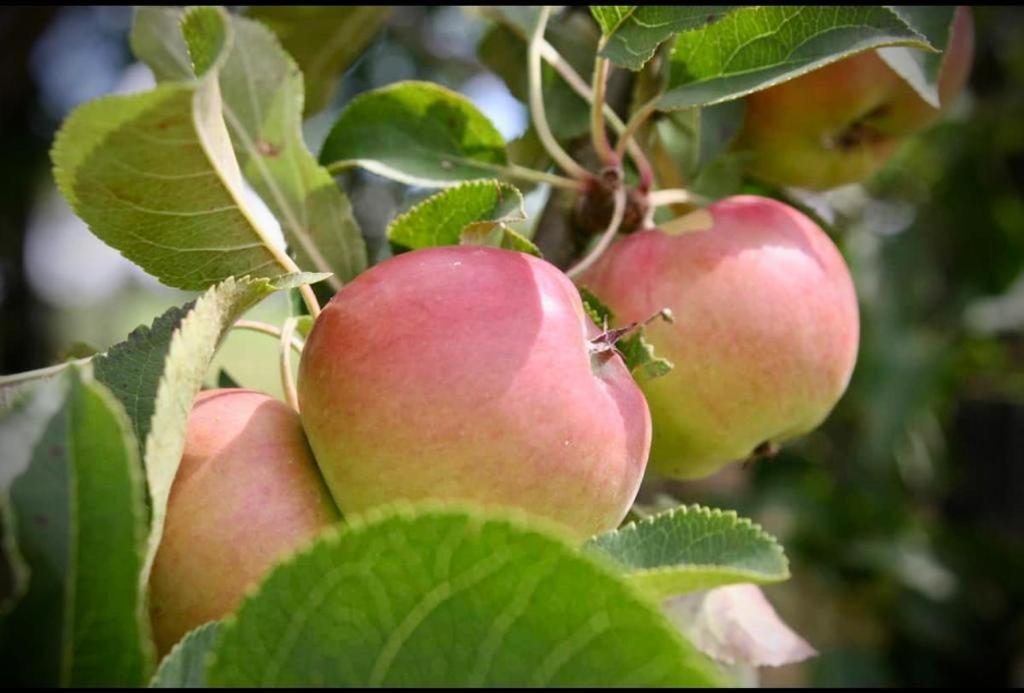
{"type": "Point", "coordinates": [185, 665]}
{"type": "Point", "coordinates": [261, 90]}
{"type": "Point", "coordinates": [754, 48]}
{"type": "Point", "coordinates": [633, 32]}
{"type": "Point", "coordinates": [921, 68]}
{"type": "Point", "coordinates": [693, 548]}
{"type": "Point", "coordinates": [418, 133]}
{"type": "Point", "coordinates": [477, 207]}
{"type": "Point", "coordinates": [78, 519]}
{"type": "Point", "coordinates": [449, 598]}
{"type": "Point", "coordinates": [154, 176]}
{"type": "Point", "coordinates": [323, 40]}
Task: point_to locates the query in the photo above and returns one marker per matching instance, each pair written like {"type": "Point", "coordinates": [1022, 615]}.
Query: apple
{"type": "Point", "coordinates": [840, 123]}
{"type": "Point", "coordinates": [247, 493]}
{"type": "Point", "coordinates": [765, 328]}
{"type": "Point", "coordinates": [465, 373]}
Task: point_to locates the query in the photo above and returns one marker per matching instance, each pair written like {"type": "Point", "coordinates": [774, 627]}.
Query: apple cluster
{"type": "Point", "coordinates": [470, 373]}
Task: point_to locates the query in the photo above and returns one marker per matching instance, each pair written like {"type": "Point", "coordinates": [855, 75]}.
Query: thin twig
{"type": "Point", "coordinates": [578, 85]}
{"type": "Point", "coordinates": [264, 328]}
{"type": "Point", "coordinates": [672, 196]}
{"type": "Point", "coordinates": [634, 123]}
{"type": "Point", "coordinates": [291, 395]}
{"type": "Point", "coordinates": [606, 238]}
{"type": "Point", "coordinates": [599, 134]}
{"type": "Point", "coordinates": [540, 120]}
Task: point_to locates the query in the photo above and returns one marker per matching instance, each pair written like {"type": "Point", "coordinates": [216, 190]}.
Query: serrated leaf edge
{"type": "Point", "coordinates": [746, 524]}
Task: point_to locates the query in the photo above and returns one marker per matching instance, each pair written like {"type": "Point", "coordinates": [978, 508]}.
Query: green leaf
{"type": "Point", "coordinates": [78, 518]}
{"type": "Point", "coordinates": [192, 347]}
{"type": "Point", "coordinates": [132, 369]}
{"type": "Point", "coordinates": [754, 48]}
{"type": "Point", "coordinates": [205, 30]}
{"type": "Point", "coordinates": [609, 17]}
{"type": "Point", "coordinates": [921, 68]}
{"type": "Point", "coordinates": [693, 548]}
{"type": "Point", "coordinates": [261, 90]}
{"type": "Point", "coordinates": [503, 51]}
{"type": "Point", "coordinates": [185, 665]}
{"type": "Point", "coordinates": [600, 313]}
{"type": "Point", "coordinates": [633, 33]}
{"type": "Point", "coordinates": [303, 325]}
{"type": "Point", "coordinates": [225, 380]}
{"type": "Point", "coordinates": [323, 40]}
{"type": "Point", "coordinates": [441, 218]}
{"type": "Point", "coordinates": [445, 597]}
{"type": "Point", "coordinates": [637, 353]}
{"type": "Point", "coordinates": [640, 358]}
{"type": "Point", "coordinates": [418, 133]}
{"type": "Point", "coordinates": [498, 236]}
{"type": "Point", "coordinates": [153, 175]}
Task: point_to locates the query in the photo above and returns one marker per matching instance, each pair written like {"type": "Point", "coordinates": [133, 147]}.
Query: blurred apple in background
{"type": "Point", "coordinates": [840, 123]}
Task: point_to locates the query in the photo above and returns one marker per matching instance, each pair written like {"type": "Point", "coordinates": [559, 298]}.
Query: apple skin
{"type": "Point", "coordinates": [462, 373]}
{"type": "Point", "coordinates": [765, 334]}
{"type": "Point", "coordinates": [840, 123]}
{"type": "Point", "coordinates": [247, 493]}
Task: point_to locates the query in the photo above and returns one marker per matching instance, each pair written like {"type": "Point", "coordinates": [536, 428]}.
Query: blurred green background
{"type": "Point", "coordinates": [903, 515]}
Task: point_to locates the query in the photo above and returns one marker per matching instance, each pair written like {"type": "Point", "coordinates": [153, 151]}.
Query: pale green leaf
{"type": "Point", "coordinates": [921, 68]}
{"type": "Point", "coordinates": [78, 520]}
{"type": "Point", "coordinates": [206, 33]}
{"type": "Point", "coordinates": [262, 97]}
{"type": "Point", "coordinates": [633, 33]}
{"type": "Point", "coordinates": [498, 236]}
{"type": "Point", "coordinates": [323, 40]}
{"type": "Point", "coordinates": [154, 176]}
{"type": "Point", "coordinates": [441, 218]}
{"type": "Point", "coordinates": [693, 548]}
{"type": "Point", "coordinates": [185, 665]}
{"type": "Point", "coordinates": [754, 48]}
{"type": "Point", "coordinates": [418, 133]}
{"type": "Point", "coordinates": [445, 597]}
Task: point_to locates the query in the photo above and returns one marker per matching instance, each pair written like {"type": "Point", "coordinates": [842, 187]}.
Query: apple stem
{"type": "Point", "coordinates": [540, 120]}
{"type": "Point", "coordinates": [577, 84]}
{"type": "Point", "coordinates": [597, 129]}
{"type": "Point", "coordinates": [607, 339]}
{"type": "Point", "coordinates": [606, 238]}
{"type": "Point", "coordinates": [291, 395]}
{"type": "Point", "coordinates": [264, 328]}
